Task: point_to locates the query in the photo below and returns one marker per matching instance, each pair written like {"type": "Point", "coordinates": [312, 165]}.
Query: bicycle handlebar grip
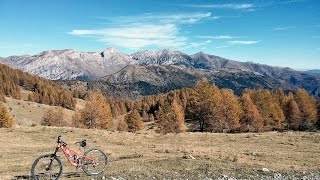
{"type": "Point", "coordinates": [59, 138]}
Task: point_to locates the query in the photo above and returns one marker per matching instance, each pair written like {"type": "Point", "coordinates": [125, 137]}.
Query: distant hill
{"type": "Point", "coordinates": [43, 91]}
{"type": "Point", "coordinates": [148, 72]}
{"type": "Point", "coordinates": [315, 71]}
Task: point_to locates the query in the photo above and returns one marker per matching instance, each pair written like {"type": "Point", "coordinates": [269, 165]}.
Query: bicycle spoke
{"type": "Point", "coordinates": [95, 162]}
{"type": "Point", "coordinates": [46, 167]}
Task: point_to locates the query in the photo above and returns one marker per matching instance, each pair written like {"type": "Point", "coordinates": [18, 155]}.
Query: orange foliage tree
{"type": "Point", "coordinates": [251, 120]}
{"type": "Point", "coordinates": [232, 110]}
{"type": "Point", "coordinates": [134, 121]}
{"type": "Point", "coordinates": [205, 107]}
{"type": "Point", "coordinates": [270, 109]}
{"type": "Point", "coordinates": [6, 119]}
{"type": "Point", "coordinates": [96, 113]}
{"type": "Point", "coordinates": [170, 118]}
{"type": "Point", "coordinates": [308, 107]}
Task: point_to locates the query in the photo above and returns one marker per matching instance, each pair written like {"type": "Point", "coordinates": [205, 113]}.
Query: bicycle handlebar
{"type": "Point", "coordinates": [59, 138]}
{"type": "Point", "coordinates": [60, 141]}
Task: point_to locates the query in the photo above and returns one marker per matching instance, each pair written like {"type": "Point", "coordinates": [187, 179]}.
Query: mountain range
{"type": "Point", "coordinates": [150, 72]}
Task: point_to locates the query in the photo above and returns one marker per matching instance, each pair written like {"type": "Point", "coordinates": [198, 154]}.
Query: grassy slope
{"type": "Point", "coordinates": [28, 113]}
{"type": "Point", "coordinates": [146, 154]}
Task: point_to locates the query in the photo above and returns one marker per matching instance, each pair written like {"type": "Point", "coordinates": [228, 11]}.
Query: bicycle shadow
{"type": "Point", "coordinates": [68, 175]}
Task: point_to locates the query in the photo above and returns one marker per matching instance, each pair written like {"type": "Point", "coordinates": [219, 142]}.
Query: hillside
{"type": "Point", "coordinates": [13, 81]}
{"type": "Point", "coordinates": [28, 113]}
{"type": "Point", "coordinates": [147, 155]}
{"type": "Point", "coordinates": [137, 81]}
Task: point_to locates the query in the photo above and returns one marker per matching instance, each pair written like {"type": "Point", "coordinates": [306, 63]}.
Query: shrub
{"type": "Point", "coordinates": [53, 117]}
{"type": "Point", "coordinates": [122, 126]}
{"type": "Point", "coordinates": [6, 119]}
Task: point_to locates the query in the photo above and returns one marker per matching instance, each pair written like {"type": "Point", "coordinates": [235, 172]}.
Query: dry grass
{"type": "Point", "coordinates": [28, 113]}
{"type": "Point", "coordinates": [146, 154]}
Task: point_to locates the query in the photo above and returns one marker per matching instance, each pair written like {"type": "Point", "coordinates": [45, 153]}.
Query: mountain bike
{"type": "Point", "coordinates": [49, 166]}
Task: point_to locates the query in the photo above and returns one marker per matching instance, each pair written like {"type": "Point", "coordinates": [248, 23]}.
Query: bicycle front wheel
{"type": "Point", "coordinates": [46, 167]}
{"type": "Point", "coordinates": [95, 162]}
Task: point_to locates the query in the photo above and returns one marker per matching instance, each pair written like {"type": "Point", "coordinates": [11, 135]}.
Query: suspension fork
{"type": "Point", "coordinates": [52, 157]}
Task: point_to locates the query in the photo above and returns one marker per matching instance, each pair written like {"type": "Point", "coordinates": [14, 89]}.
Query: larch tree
{"type": "Point", "coordinates": [170, 118]}
{"type": "Point", "coordinates": [308, 107]}
{"type": "Point", "coordinates": [96, 113]}
{"type": "Point", "coordinates": [270, 110]}
{"type": "Point", "coordinates": [232, 110]}
{"type": "Point", "coordinates": [251, 120]}
{"type": "Point", "coordinates": [6, 119]}
{"type": "Point", "coordinates": [177, 116]}
{"type": "Point", "coordinates": [293, 115]}
{"type": "Point", "coordinates": [134, 121]}
{"type": "Point", "coordinates": [205, 106]}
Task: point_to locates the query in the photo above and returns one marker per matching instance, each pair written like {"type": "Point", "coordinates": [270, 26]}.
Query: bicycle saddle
{"type": "Point", "coordinates": [82, 143]}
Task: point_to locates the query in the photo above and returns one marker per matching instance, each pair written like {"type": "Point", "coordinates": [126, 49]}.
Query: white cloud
{"type": "Point", "coordinates": [283, 28]}
{"type": "Point", "coordinates": [137, 36]}
{"type": "Point", "coordinates": [196, 44]}
{"type": "Point", "coordinates": [146, 30]}
{"type": "Point", "coordinates": [83, 32]}
{"type": "Point", "coordinates": [220, 47]}
{"type": "Point", "coordinates": [181, 18]}
{"type": "Point", "coordinates": [234, 6]}
{"type": "Point", "coordinates": [217, 37]}
{"type": "Point", "coordinates": [291, 1]}
{"type": "Point", "coordinates": [243, 42]}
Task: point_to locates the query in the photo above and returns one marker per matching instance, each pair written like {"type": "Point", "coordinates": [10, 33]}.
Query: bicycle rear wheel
{"type": "Point", "coordinates": [95, 162]}
{"type": "Point", "coordinates": [46, 167]}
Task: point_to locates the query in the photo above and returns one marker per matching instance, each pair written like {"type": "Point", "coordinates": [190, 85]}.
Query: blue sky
{"type": "Point", "coordinates": [279, 32]}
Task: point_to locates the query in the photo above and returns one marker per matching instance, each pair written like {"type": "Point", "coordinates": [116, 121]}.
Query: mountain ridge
{"type": "Point", "coordinates": [145, 69]}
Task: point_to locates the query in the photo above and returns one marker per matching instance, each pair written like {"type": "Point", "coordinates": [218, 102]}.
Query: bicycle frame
{"type": "Point", "coordinates": [75, 158]}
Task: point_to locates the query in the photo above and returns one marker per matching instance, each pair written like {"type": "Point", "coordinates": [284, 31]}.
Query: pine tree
{"type": "Point", "coordinates": [6, 119]}
{"type": "Point", "coordinates": [134, 121]}
{"type": "Point", "coordinates": [232, 110]}
{"type": "Point", "coordinates": [251, 120]}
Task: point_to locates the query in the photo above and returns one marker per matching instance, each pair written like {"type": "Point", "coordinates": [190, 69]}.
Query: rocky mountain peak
{"type": "Point", "coordinates": [111, 50]}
